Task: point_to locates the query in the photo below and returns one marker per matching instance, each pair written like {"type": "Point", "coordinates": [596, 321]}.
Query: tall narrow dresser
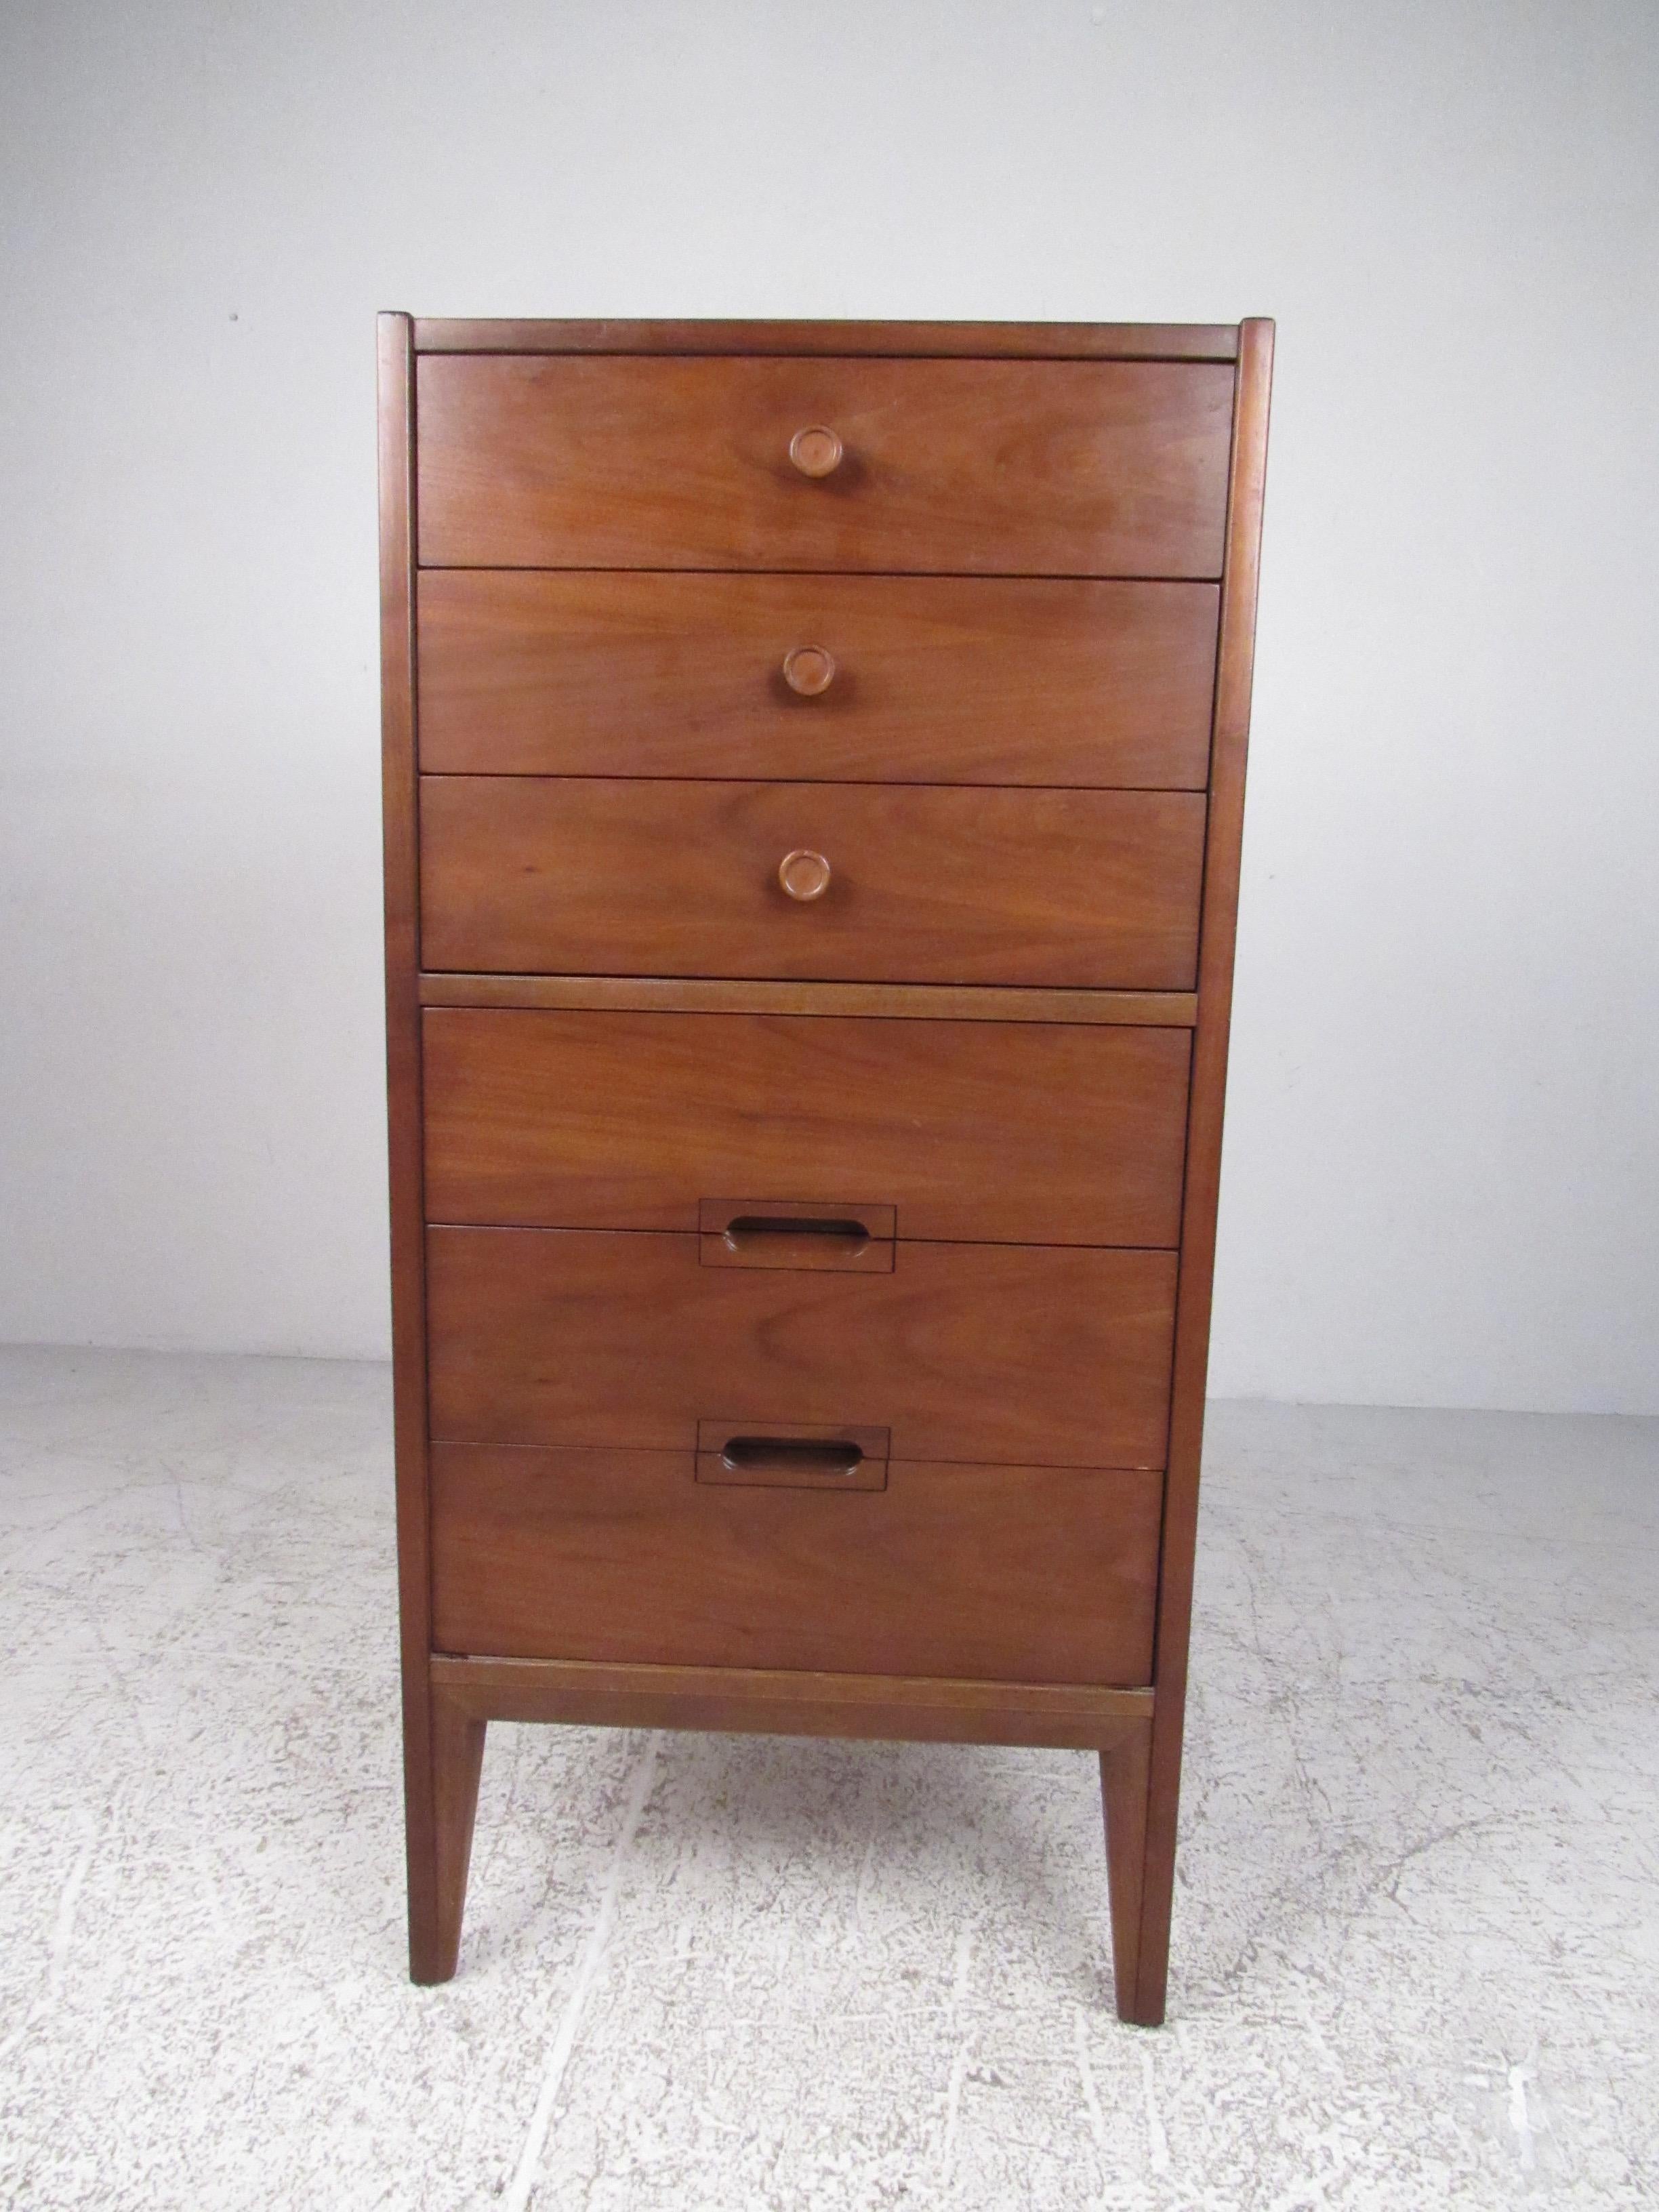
{"type": "Point", "coordinates": [814, 768]}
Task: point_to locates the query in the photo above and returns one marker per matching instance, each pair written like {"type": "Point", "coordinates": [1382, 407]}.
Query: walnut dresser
{"type": "Point", "coordinates": [814, 769]}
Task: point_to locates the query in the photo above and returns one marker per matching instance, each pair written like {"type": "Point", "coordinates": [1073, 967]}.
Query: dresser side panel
{"type": "Point", "coordinates": [400, 796]}
{"type": "Point", "coordinates": [1218, 931]}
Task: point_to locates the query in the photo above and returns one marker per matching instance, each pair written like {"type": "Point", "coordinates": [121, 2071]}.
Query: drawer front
{"type": "Point", "coordinates": [979, 467]}
{"type": "Point", "coordinates": [1001, 1573]}
{"type": "Point", "coordinates": [916, 679]}
{"type": "Point", "coordinates": [945, 884]}
{"type": "Point", "coordinates": [1005, 1353]}
{"type": "Point", "coordinates": [1020, 1132]}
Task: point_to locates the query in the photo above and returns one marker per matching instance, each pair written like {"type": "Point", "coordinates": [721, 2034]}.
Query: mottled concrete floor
{"type": "Point", "coordinates": [1417, 1951]}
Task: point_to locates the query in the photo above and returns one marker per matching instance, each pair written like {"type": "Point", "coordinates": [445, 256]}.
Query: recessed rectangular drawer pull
{"type": "Point", "coordinates": [747, 1232]}
{"type": "Point", "coordinates": [741, 1454]}
{"type": "Point", "coordinates": [793, 1225]}
{"type": "Point", "coordinates": [787, 1455]}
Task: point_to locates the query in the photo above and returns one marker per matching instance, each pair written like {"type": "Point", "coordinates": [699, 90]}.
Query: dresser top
{"type": "Point", "coordinates": [1217, 341]}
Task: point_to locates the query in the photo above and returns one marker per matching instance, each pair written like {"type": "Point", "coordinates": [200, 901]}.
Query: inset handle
{"type": "Point", "coordinates": [790, 1455]}
{"type": "Point", "coordinates": [803, 875]}
{"type": "Point", "coordinates": [742, 1225]}
{"type": "Point", "coordinates": [787, 1455]}
{"type": "Point", "coordinates": [830, 1236]}
{"type": "Point", "coordinates": [815, 450]}
{"type": "Point", "coordinates": [809, 670]}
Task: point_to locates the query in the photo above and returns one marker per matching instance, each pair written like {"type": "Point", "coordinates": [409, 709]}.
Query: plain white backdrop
{"type": "Point", "coordinates": [1440, 1169]}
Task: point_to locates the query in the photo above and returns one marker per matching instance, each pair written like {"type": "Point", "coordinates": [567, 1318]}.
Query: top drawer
{"type": "Point", "coordinates": [979, 467]}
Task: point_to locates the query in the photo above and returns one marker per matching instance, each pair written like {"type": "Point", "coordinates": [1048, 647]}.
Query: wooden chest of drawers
{"type": "Point", "coordinates": [814, 770]}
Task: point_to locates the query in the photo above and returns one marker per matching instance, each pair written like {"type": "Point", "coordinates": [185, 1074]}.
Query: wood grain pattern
{"type": "Point", "coordinates": [907, 1002]}
{"type": "Point", "coordinates": [1034, 1133]}
{"type": "Point", "coordinates": [792, 1702]}
{"type": "Point", "coordinates": [1019, 1354]}
{"type": "Point", "coordinates": [1107, 468]}
{"type": "Point", "coordinates": [1221, 880]}
{"type": "Point", "coordinates": [932, 885]}
{"type": "Point", "coordinates": [920, 341]}
{"type": "Point", "coordinates": [935, 679]}
{"type": "Point", "coordinates": [1019, 1574]}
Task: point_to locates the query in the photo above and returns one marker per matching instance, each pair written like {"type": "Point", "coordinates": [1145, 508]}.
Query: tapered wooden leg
{"type": "Point", "coordinates": [440, 1838]}
{"type": "Point", "coordinates": [1124, 1790]}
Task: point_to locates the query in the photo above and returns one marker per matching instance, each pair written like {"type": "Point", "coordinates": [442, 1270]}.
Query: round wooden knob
{"type": "Point", "coordinates": [803, 875]}
{"type": "Point", "coordinates": [815, 451]}
{"type": "Point", "coordinates": [809, 670]}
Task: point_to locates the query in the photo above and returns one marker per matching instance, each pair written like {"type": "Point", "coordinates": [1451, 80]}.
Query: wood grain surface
{"type": "Point", "coordinates": [1221, 885]}
{"type": "Point", "coordinates": [934, 679]}
{"type": "Point", "coordinates": [919, 1709]}
{"type": "Point", "coordinates": [436, 1755]}
{"type": "Point", "coordinates": [931, 884]}
{"type": "Point", "coordinates": [883, 1002]}
{"type": "Point", "coordinates": [1108, 468]}
{"type": "Point", "coordinates": [1038, 1574]}
{"type": "Point", "coordinates": [1016, 1353]}
{"type": "Point", "coordinates": [1022, 1133]}
{"type": "Point", "coordinates": [919, 341]}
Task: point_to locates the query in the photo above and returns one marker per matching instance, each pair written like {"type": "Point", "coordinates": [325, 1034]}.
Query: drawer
{"type": "Point", "coordinates": [979, 467]}
{"type": "Point", "coordinates": [924, 679]}
{"type": "Point", "coordinates": [950, 885]}
{"type": "Point", "coordinates": [1021, 1132]}
{"type": "Point", "coordinates": [1006, 1573]}
{"type": "Point", "coordinates": [1008, 1353]}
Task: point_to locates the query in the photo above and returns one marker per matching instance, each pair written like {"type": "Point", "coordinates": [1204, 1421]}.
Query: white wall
{"type": "Point", "coordinates": [1440, 1167]}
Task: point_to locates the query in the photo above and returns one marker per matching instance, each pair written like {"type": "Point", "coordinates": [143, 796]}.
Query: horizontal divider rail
{"type": "Point", "coordinates": [774, 1702]}
{"type": "Point", "coordinates": [945, 1002]}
